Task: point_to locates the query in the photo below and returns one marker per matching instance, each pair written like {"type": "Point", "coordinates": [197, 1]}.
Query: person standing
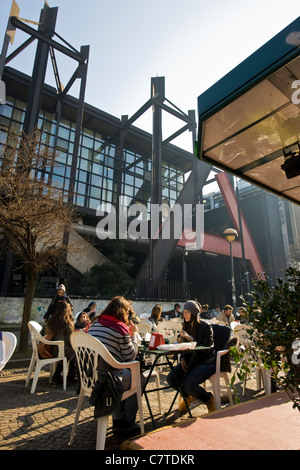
{"type": "Point", "coordinates": [57, 300]}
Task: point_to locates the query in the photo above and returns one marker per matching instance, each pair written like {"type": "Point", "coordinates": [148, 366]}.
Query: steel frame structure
{"type": "Point", "coordinates": [46, 46]}
{"type": "Point", "coordinates": [160, 250]}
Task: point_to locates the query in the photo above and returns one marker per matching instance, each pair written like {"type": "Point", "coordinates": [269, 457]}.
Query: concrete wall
{"type": "Point", "coordinates": [11, 308]}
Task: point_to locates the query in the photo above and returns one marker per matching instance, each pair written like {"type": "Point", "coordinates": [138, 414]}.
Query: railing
{"type": "Point", "coordinates": [164, 291]}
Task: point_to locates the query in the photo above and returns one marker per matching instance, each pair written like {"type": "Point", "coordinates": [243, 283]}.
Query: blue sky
{"type": "Point", "coordinates": [192, 43]}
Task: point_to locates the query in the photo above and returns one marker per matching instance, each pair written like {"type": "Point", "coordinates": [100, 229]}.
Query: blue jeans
{"type": "Point", "coordinates": [196, 375]}
{"type": "Point", "coordinates": [128, 407]}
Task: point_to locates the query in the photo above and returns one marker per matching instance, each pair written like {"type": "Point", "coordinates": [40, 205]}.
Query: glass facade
{"type": "Point", "coordinates": [97, 165]}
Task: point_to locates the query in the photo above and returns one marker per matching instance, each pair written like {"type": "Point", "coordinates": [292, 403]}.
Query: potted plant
{"type": "Point", "coordinates": [273, 328]}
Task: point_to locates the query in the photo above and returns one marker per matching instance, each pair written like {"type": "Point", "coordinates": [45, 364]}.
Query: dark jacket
{"type": "Point", "coordinates": [171, 314]}
{"type": "Point", "coordinates": [63, 335]}
{"type": "Point", "coordinates": [205, 315]}
{"type": "Point", "coordinates": [204, 337]}
{"type": "Point", "coordinates": [55, 303]}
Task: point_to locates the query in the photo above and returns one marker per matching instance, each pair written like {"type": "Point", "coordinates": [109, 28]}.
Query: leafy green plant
{"type": "Point", "coordinates": [106, 281]}
{"type": "Point", "coordinates": [111, 278]}
{"type": "Point", "coordinates": [274, 324]}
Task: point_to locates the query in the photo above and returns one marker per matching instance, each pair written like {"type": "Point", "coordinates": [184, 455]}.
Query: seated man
{"type": "Point", "coordinates": [175, 313]}
{"type": "Point", "coordinates": [227, 315]}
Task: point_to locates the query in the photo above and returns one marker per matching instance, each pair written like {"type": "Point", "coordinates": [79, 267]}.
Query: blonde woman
{"type": "Point", "coordinates": [155, 316]}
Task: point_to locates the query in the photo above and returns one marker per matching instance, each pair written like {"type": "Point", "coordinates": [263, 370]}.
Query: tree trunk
{"type": "Point", "coordinates": [31, 280]}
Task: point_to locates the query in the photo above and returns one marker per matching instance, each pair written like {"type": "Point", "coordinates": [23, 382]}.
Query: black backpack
{"type": "Point", "coordinates": [223, 339]}
{"type": "Point", "coordinates": [107, 394]}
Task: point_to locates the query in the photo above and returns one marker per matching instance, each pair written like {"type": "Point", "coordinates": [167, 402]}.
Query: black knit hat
{"type": "Point", "coordinates": [193, 307]}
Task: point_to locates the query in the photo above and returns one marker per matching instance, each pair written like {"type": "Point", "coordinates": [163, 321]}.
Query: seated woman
{"type": "Point", "coordinates": [83, 322]}
{"type": "Point", "coordinates": [194, 329]}
{"type": "Point", "coordinates": [90, 310]}
{"type": "Point", "coordinates": [113, 328]}
{"type": "Point", "coordinates": [155, 316]}
{"type": "Point", "coordinates": [133, 316]}
{"type": "Point", "coordinates": [59, 327]}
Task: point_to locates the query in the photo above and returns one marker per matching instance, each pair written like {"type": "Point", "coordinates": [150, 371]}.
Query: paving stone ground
{"type": "Point", "coordinates": [43, 420]}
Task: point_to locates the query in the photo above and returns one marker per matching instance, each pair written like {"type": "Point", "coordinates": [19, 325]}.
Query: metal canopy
{"type": "Point", "coordinates": [249, 121]}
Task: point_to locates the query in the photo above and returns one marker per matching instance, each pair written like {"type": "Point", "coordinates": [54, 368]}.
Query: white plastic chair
{"type": "Point", "coordinates": [37, 363]}
{"type": "Point", "coordinates": [261, 374]}
{"type": "Point", "coordinates": [215, 381]}
{"type": "Point", "coordinates": [144, 328]}
{"type": "Point", "coordinates": [156, 376]}
{"type": "Point", "coordinates": [169, 325]}
{"type": "Point", "coordinates": [234, 324]}
{"type": "Point", "coordinates": [147, 322]}
{"type": "Point", "coordinates": [170, 330]}
{"type": "Point", "coordinates": [88, 349]}
{"type": "Point", "coordinates": [8, 343]}
{"type": "Point", "coordinates": [176, 320]}
{"type": "Point", "coordinates": [144, 316]}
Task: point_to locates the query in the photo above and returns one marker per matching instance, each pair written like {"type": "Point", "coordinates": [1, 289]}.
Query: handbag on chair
{"type": "Point", "coordinates": [44, 350]}
{"type": "Point", "coordinates": [107, 394]}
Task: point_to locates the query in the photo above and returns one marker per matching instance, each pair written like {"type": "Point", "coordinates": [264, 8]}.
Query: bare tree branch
{"type": "Point", "coordinates": [34, 215]}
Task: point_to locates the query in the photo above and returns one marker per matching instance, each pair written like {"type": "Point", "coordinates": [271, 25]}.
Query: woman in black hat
{"type": "Point", "coordinates": [204, 363]}
{"type": "Point", "coordinates": [59, 299]}
{"type": "Point", "coordinates": [90, 310]}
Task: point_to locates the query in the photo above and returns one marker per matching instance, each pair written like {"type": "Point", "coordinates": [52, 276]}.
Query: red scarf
{"type": "Point", "coordinates": [114, 323]}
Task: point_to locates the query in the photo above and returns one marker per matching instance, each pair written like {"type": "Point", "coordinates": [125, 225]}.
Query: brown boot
{"type": "Point", "coordinates": [182, 406]}
{"type": "Point", "coordinates": [211, 404]}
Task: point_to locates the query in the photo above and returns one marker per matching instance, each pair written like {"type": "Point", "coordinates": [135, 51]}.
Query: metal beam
{"type": "Point", "coordinates": [251, 252]}
{"type": "Point", "coordinates": [47, 20]}
{"type": "Point", "coordinates": [55, 70]}
{"type": "Point", "coordinates": [160, 250]}
{"type": "Point", "coordinates": [82, 74]}
{"type": "Point", "coordinates": [157, 91]}
{"type": "Point", "coordinates": [19, 49]}
{"type": "Point", "coordinates": [50, 42]}
{"type": "Point", "coordinates": [175, 113]}
{"type": "Point", "coordinates": [163, 249]}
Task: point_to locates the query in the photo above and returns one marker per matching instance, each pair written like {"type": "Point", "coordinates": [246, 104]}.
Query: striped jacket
{"type": "Point", "coordinates": [122, 348]}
